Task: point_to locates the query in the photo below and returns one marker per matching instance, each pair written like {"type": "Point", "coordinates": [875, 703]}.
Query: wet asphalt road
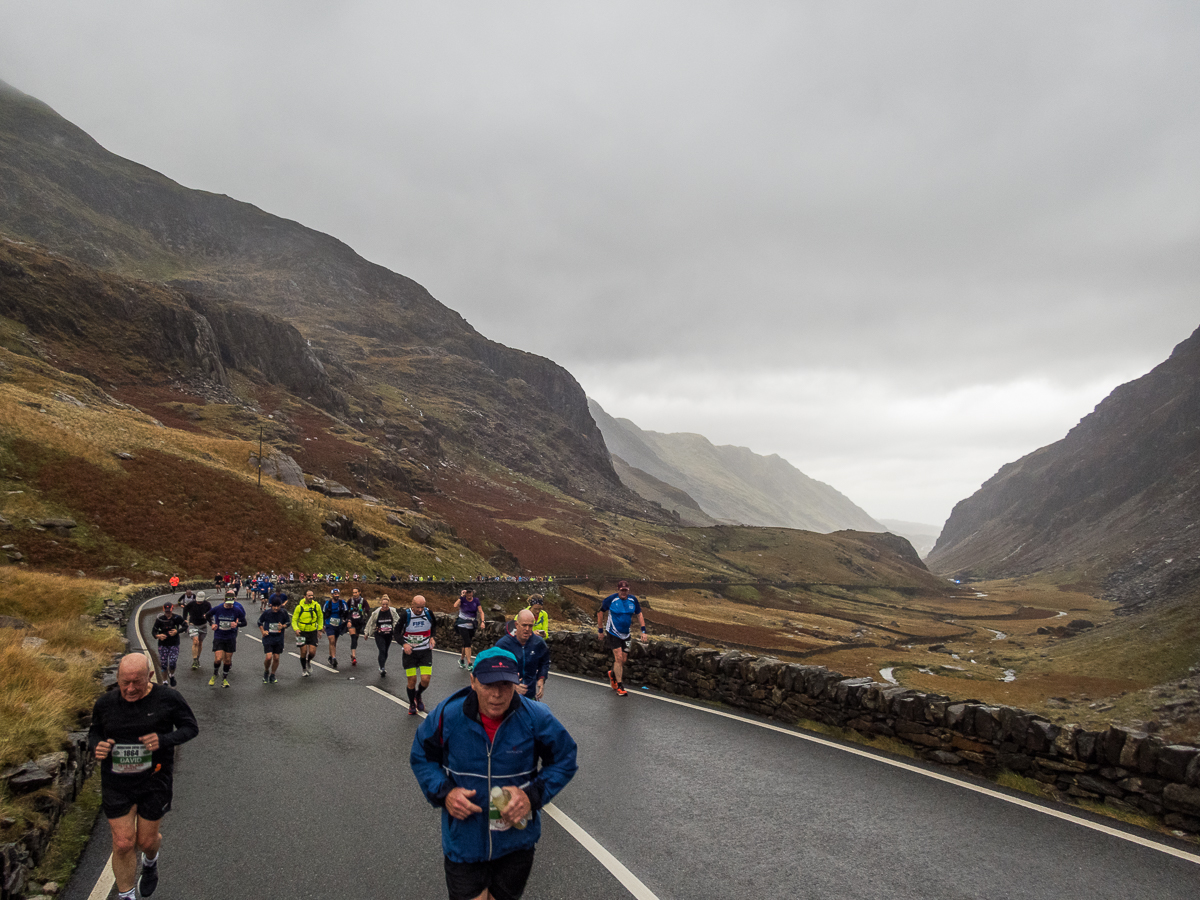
{"type": "Point", "coordinates": [303, 789]}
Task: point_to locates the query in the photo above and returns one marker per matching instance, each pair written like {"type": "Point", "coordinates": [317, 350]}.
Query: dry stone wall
{"type": "Point", "coordinates": [1120, 767]}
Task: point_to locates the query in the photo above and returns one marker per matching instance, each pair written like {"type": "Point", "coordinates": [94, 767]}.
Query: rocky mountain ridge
{"type": "Point", "coordinates": [60, 189]}
{"type": "Point", "coordinates": [1117, 500]}
{"type": "Point", "coordinates": [728, 484]}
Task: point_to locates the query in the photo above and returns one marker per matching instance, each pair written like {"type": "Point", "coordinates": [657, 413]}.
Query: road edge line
{"type": "Point", "coordinates": [908, 767]}
{"type": "Point", "coordinates": [629, 881]}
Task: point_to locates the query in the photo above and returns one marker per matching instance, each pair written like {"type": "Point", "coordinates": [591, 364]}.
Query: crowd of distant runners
{"type": "Point", "coordinates": [508, 682]}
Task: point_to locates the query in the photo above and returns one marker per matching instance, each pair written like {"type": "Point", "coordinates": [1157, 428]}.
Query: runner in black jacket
{"type": "Point", "coordinates": [134, 732]}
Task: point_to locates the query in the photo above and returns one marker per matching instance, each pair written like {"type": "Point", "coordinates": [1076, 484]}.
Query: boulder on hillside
{"type": "Point", "coordinates": [281, 467]}
{"type": "Point", "coordinates": [58, 526]}
{"type": "Point", "coordinates": [328, 487]}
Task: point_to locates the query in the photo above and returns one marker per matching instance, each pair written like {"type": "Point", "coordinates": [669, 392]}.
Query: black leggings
{"type": "Point", "coordinates": [353, 640]}
{"type": "Point", "coordinates": [384, 643]}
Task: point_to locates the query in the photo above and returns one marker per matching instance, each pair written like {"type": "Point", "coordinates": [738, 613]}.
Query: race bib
{"type": "Point", "coordinates": [130, 759]}
{"type": "Point", "coordinates": [335, 621]}
{"type": "Point", "coordinates": [385, 629]}
{"type": "Point", "coordinates": [225, 626]}
{"type": "Point", "coordinates": [275, 627]}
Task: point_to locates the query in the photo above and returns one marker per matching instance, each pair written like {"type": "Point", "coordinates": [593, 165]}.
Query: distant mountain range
{"type": "Point", "coordinates": [919, 534]}
{"type": "Point", "coordinates": [707, 484]}
{"type": "Point", "coordinates": [1116, 501]}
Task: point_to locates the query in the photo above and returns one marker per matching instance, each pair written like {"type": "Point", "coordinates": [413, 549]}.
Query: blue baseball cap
{"type": "Point", "coordinates": [493, 665]}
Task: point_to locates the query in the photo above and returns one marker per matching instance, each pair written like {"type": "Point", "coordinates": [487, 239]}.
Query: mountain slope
{"type": "Point", "coordinates": [731, 484]}
{"type": "Point", "coordinates": [62, 190]}
{"type": "Point", "coordinates": [665, 495]}
{"type": "Point", "coordinates": [1116, 500]}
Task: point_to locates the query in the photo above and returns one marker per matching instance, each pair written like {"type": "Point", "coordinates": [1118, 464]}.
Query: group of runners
{"type": "Point", "coordinates": [135, 728]}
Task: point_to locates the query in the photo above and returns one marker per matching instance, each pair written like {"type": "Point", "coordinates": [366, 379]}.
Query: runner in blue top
{"type": "Point", "coordinates": [225, 619]}
{"type": "Point", "coordinates": [336, 612]}
{"type": "Point", "coordinates": [615, 632]}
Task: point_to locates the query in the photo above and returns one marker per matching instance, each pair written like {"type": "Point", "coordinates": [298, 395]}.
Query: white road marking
{"type": "Point", "coordinates": [631, 882]}
{"type": "Point", "coordinates": [937, 776]}
{"type": "Point", "coordinates": [610, 862]}
{"type": "Point", "coordinates": [104, 883]}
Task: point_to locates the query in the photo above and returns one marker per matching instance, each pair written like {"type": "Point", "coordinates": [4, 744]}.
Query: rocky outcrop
{"type": "Point", "coordinates": [251, 341]}
{"type": "Point", "coordinates": [57, 778]}
{"type": "Point", "coordinates": [1117, 497]}
{"type": "Point", "coordinates": [281, 467]}
{"type": "Point", "coordinates": [343, 528]}
{"type": "Point", "coordinates": [134, 322]}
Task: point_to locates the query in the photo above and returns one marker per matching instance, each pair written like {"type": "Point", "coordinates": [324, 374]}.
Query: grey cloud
{"type": "Point", "coordinates": [922, 195]}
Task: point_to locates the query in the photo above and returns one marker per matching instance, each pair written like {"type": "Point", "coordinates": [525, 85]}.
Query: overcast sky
{"type": "Point", "coordinates": [899, 244]}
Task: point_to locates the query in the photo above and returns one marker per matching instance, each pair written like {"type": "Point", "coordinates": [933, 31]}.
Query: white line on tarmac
{"type": "Point", "coordinates": [937, 776]}
{"type": "Point", "coordinates": [631, 882]}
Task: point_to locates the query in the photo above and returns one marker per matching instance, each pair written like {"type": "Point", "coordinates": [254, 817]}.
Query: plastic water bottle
{"type": "Point", "coordinates": [500, 801]}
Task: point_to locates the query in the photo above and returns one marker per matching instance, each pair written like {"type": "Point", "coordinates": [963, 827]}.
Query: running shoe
{"type": "Point", "coordinates": [266, 677]}
{"type": "Point", "coordinates": [149, 880]}
{"type": "Point", "coordinates": [306, 674]}
{"type": "Point", "coordinates": [621, 692]}
{"type": "Point", "coordinates": [420, 705]}
{"type": "Point", "coordinates": [212, 681]}
{"type": "Point", "coordinates": [462, 663]}
{"type": "Point", "coordinates": [382, 673]}
{"type": "Point", "coordinates": [412, 709]}
{"type": "Point", "coordinates": [274, 680]}
{"type": "Point", "coordinates": [612, 682]}
{"type": "Point", "coordinates": [173, 681]}
{"type": "Point", "coordinates": [354, 660]}
{"type": "Point", "coordinates": [225, 682]}
{"type": "Point", "coordinates": [333, 662]}
{"type": "Point", "coordinates": [195, 663]}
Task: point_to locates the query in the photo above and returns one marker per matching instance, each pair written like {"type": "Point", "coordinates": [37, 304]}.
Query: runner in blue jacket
{"type": "Point", "coordinates": [532, 655]}
{"type": "Point", "coordinates": [482, 737]}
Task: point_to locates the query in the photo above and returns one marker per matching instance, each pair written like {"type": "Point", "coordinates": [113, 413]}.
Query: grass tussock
{"type": "Point", "coordinates": [42, 694]}
{"type": "Point", "coordinates": [39, 598]}
{"type": "Point", "coordinates": [1031, 786]}
{"type": "Point", "coordinates": [1128, 816]}
{"type": "Point", "coordinates": [875, 742]}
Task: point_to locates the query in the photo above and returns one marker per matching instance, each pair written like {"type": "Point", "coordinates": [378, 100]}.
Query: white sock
{"type": "Point", "coordinates": [128, 895]}
{"type": "Point", "coordinates": [147, 861]}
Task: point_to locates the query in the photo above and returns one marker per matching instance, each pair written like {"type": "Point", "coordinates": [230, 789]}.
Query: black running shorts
{"type": "Point", "coordinates": [151, 794]}
{"type": "Point", "coordinates": [504, 878]}
{"type": "Point", "coordinates": [612, 642]}
{"type": "Point", "coordinates": [417, 659]}
{"type": "Point", "coordinates": [273, 644]}
{"type": "Point", "coordinates": [229, 645]}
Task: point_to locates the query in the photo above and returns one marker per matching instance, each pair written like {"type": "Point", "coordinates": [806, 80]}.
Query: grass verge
{"type": "Point", "coordinates": [874, 741]}
{"type": "Point", "coordinates": [72, 835]}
